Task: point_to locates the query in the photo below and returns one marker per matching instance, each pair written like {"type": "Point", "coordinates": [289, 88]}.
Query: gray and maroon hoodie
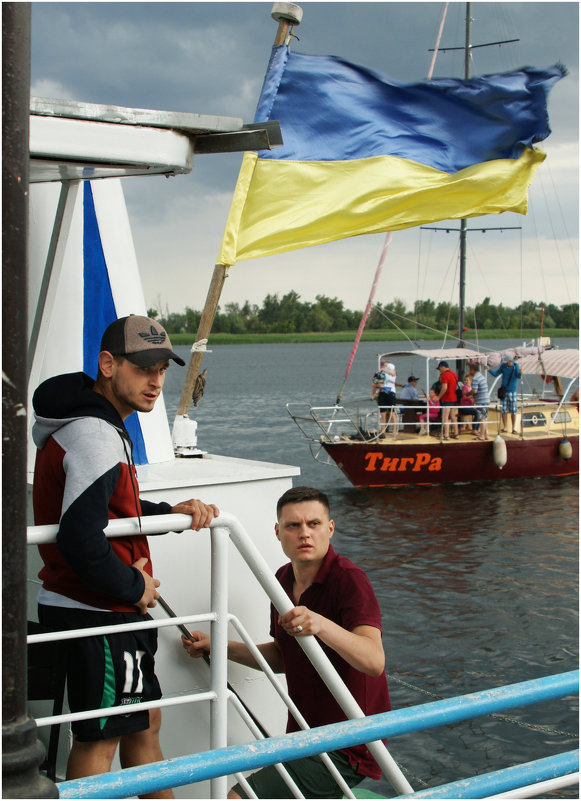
{"type": "Point", "coordinates": [85, 476]}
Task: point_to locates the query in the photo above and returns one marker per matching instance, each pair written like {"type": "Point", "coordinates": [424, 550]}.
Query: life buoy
{"type": "Point", "coordinates": [548, 379]}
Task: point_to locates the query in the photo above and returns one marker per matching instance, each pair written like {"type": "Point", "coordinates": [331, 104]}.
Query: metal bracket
{"type": "Point", "coordinates": [256, 136]}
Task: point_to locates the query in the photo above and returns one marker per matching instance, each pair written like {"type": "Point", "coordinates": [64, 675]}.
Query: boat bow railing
{"type": "Point", "coordinates": [320, 424]}
{"type": "Point", "coordinates": [224, 528]}
{"type": "Point", "coordinates": [354, 422]}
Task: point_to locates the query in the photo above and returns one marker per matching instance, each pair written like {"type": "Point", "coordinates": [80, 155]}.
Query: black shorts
{"type": "Point", "coordinates": [385, 399]}
{"type": "Point", "coordinates": [106, 670]}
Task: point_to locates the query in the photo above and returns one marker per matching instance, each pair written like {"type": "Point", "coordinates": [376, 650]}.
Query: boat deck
{"type": "Point", "coordinates": [536, 420]}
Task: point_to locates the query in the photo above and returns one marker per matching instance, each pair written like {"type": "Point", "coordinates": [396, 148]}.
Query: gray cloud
{"type": "Point", "coordinates": [210, 58]}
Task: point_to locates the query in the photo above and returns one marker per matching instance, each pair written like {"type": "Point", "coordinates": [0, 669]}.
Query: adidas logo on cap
{"type": "Point", "coordinates": [141, 340]}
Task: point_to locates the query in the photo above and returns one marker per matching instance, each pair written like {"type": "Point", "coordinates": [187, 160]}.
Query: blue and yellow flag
{"type": "Point", "coordinates": [363, 154]}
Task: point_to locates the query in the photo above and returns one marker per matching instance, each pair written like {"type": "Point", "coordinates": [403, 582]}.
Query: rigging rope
{"type": "Point", "coordinates": [469, 343]}
{"type": "Point", "coordinates": [386, 244]}
{"type": "Point", "coordinates": [437, 47]}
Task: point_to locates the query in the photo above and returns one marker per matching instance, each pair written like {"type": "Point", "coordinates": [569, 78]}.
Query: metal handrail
{"type": "Point", "coordinates": [201, 767]}
{"type": "Point", "coordinates": [323, 417]}
{"type": "Point", "coordinates": [222, 527]}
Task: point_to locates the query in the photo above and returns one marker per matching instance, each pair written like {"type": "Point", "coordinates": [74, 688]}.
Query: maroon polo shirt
{"type": "Point", "coordinates": [342, 593]}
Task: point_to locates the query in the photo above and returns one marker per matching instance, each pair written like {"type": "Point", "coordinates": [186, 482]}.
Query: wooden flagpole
{"type": "Point", "coordinates": [204, 328]}
{"type": "Point", "coordinates": [287, 15]}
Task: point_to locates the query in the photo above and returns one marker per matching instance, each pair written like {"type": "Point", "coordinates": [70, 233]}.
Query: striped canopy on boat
{"type": "Point", "coordinates": [532, 360]}
{"type": "Point", "coordinates": [564, 363]}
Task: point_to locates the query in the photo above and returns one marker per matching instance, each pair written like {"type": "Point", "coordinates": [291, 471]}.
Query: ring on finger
{"type": "Point", "coordinates": [299, 629]}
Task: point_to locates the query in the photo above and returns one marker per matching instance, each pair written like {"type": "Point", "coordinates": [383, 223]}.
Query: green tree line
{"type": "Point", "coordinates": [291, 315]}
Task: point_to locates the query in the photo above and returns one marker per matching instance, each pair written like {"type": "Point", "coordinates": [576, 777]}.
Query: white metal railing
{"type": "Point", "coordinates": [329, 424]}
{"type": "Point", "coordinates": [224, 527]}
{"type": "Point", "coordinates": [50, 720]}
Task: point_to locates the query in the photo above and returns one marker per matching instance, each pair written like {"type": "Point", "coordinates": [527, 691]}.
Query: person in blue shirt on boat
{"type": "Point", "coordinates": [510, 372]}
{"type": "Point", "coordinates": [409, 392]}
{"type": "Point", "coordinates": [481, 397]}
{"type": "Point", "coordinates": [383, 388]}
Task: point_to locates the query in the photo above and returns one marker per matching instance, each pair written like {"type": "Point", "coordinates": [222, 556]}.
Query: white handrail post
{"type": "Point", "coordinates": [219, 651]}
{"type": "Point", "coordinates": [427, 397]}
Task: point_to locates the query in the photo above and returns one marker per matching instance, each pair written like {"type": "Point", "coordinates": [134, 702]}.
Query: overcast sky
{"type": "Point", "coordinates": [210, 58]}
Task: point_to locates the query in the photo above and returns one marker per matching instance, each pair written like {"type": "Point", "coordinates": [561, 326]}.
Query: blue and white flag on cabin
{"type": "Point", "coordinates": [364, 154]}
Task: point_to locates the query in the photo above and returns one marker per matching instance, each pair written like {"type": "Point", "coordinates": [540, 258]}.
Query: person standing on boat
{"type": "Point", "coordinates": [336, 603]}
{"type": "Point", "coordinates": [510, 372]}
{"type": "Point", "coordinates": [84, 476]}
{"type": "Point", "coordinates": [481, 397]}
{"type": "Point", "coordinates": [383, 388]}
{"type": "Point", "coordinates": [448, 400]}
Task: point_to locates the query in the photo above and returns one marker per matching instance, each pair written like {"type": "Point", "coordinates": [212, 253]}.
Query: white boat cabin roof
{"type": "Point", "coordinates": [73, 140]}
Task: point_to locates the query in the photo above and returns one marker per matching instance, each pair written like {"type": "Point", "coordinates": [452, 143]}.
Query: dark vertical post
{"type": "Point", "coordinates": [462, 289]}
{"type": "Point", "coordinates": [22, 752]}
{"type": "Point", "coordinates": [462, 293]}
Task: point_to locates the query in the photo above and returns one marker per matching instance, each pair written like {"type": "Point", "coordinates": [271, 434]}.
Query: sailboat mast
{"type": "Point", "coordinates": [462, 290]}
{"type": "Point", "coordinates": [463, 230]}
{"type": "Point", "coordinates": [468, 43]}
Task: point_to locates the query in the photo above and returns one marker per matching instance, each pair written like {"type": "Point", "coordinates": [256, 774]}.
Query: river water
{"type": "Point", "coordinates": [478, 584]}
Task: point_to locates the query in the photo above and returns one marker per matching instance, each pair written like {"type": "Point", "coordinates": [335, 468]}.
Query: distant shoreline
{"type": "Point", "coordinates": [375, 335]}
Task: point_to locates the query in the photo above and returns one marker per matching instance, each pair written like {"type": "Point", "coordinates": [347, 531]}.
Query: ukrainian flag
{"type": "Point", "coordinates": [363, 154]}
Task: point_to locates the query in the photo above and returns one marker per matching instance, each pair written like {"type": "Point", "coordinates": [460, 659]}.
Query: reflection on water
{"type": "Point", "coordinates": [478, 584]}
{"type": "Point", "coordinates": [478, 588]}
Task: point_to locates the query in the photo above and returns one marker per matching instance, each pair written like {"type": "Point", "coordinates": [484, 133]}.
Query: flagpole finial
{"type": "Point", "coordinates": [289, 12]}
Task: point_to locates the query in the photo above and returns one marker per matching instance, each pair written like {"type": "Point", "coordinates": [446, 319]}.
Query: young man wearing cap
{"type": "Point", "coordinates": [448, 399]}
{"type": "Point", "coordinates": [335, 602]}
{"type": "Point", "coordinates": [85, 476]}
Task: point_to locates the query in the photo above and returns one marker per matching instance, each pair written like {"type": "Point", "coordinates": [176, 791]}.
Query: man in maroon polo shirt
{"type": "Point", "coordinates": [335, 602]}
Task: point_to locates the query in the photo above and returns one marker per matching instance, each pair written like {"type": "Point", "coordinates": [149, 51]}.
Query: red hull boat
{"type": "Point", "coordinates": [397, 465]}
{"type": "Point", "coordinates": [547, 442]}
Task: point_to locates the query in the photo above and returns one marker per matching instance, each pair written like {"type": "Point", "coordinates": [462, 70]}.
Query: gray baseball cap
{"type": "Point", "coordinates": [141, 340]}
